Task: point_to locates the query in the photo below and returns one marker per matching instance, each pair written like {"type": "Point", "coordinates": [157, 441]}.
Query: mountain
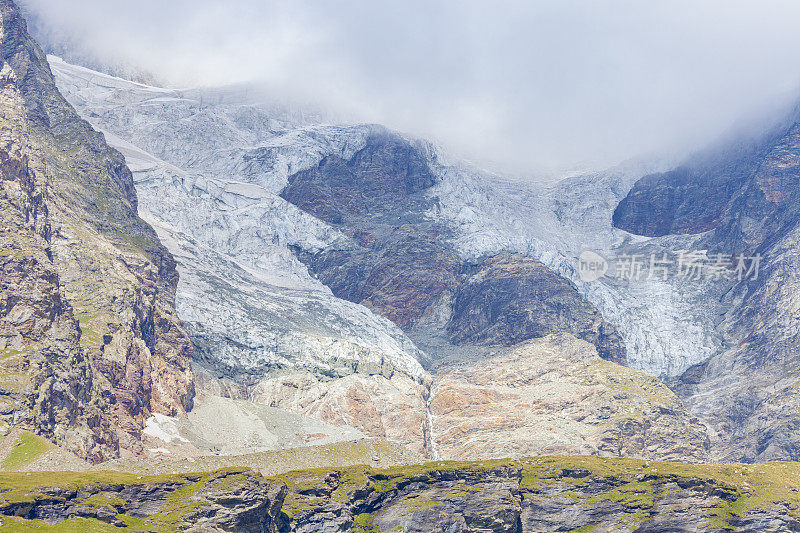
{"type": "Point", "coordinates": [90, 338]}
{"type": "Point", "coordinates": [323, 273]}
{"type": "Point", "coordinates": [205, 280]}
{"type": "Point", "coordinates": [741, 199]}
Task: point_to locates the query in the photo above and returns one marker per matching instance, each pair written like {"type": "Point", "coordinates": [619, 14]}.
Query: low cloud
{"type": "Point", "coordinates": [528, 87]}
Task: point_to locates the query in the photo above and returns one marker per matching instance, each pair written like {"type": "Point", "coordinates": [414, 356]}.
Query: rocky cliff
{"type": "Point", "coordinates": [746, 390]}
{"type": "Point", "coordinates": [530, 495]}
{"type": "Point", "coordinates": [556, 395]}
{"type": "Point", "coordinates": [90, 340]}
{"type": "Point", "coordinates": [226, 500]}
{"type": "Point", "coordinates": [507, 299]}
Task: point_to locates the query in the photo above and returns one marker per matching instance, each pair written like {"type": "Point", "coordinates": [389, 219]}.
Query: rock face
{"type": "Point", "coordinates": [222, 501]}
{"type": "Point", "coordinates": [747, 390]}
{"type": "Point", "coordinates": [401, 262]}
{"type": "Point", "coordinates": [386, 172]}
{"type": "Point", "coordinates": [661, 204]}
{"type": "Point", "coordinates": [538, 495]}
{"type": "Point", "coordinates": [391, 408]}
{"type": "Point", "coordinates": [90, 340]}
{"type": "Point", "coordinates": [508, 299]}
{"type": "Point", "coordinates": [555, 395]}
{"type": "Point", "coordinates": [701, 193]}
{"type": "Point", "coordinates": [530, 495]}
{"type": "Point", "coordinates": [398, 263]}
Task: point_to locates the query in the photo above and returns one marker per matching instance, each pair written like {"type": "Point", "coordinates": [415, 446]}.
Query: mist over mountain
{"type": "Point", "coordinates": [423, 266]}
{"type": "Point", "coordinates": [528, 88]}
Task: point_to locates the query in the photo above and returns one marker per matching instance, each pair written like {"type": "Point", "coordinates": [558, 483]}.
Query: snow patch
{"type": "Point", "coordinates": [164, 428]}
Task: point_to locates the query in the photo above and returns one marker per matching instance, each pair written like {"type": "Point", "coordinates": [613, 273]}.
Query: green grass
{"type": "Point", "coordinates": [585, 529]}
{"type": "Point", "coordinates": [84, 525]}
{"type": "Point", "coordinates": [27, 448]}
{"type": "Point", "coordinates": [633, 383]}
{"type": "Point", "coordinates": [104, 501]}
{"type": "Point", "coordinates": [363, 524]}
{"type": "Point", "coordinates": [89, 336]}
{"type": "Point", "coordinates": [420, 503]}
{"type": "Point", "coordinates": [635, 484]}
{"type": "Point", "coordinates": [84, 318]}
{"type": "Point", "coordinates": [9, 352]}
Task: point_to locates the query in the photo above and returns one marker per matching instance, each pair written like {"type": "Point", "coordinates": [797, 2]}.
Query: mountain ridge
{"type": "Point", "coordinates": [78, 196]}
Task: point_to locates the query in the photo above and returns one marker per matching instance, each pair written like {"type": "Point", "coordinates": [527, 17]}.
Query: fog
{"type": "Point", "coordinates": [528, 87]}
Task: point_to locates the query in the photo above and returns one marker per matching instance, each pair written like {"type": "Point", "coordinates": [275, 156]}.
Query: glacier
{"type": "Point", "coordinates": [209, 164]}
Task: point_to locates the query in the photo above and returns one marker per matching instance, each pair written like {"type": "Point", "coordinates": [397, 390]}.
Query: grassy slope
{"type": "Point", "coordinates": [755, 486]}
{"type": "Point", "coordinates": [26, 487]}
{"type": "Point", "coordinates": [27, 448]}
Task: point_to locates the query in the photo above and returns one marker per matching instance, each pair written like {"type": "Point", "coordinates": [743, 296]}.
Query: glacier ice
{"type": "Point", "coordinates": [209, 165]}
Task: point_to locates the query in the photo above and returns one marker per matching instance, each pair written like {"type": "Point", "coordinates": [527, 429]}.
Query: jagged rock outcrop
{"type": "Point", "coordinates": [693, 197]}
{"type": "Point", "coordinates": [674, 208]}
{"type": "Point", "coordinates": [398, 263]}
{"type": "Point", "coordinates": [90, 340]}
{"type": "Point", "coordinates": [556, 396]}
{"type": "Point", "coordinates": [378, 181]}
{"type": "Point", "coordinates": [47, 381]}
{"type": "Point", "coordinates": [535, 495]}
{"type": "Point", "coordinates": [227, 500]}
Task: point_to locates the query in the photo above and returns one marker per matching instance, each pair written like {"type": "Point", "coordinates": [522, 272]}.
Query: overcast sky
{"type": "Point", "coordinates": [524, 86]}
